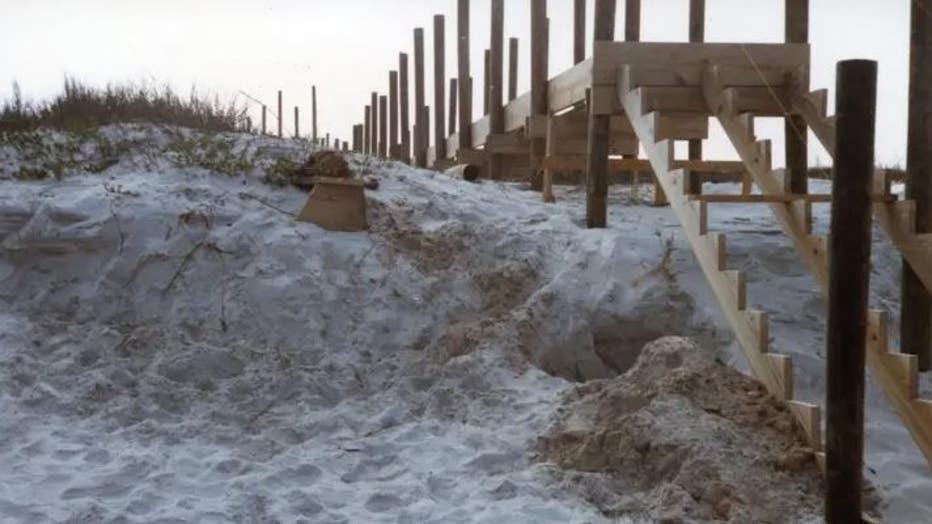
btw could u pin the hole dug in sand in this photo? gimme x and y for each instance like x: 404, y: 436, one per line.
x: 680, y: 437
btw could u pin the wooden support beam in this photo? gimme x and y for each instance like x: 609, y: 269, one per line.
x: 367, y: 132
x: 314, y: 114
x: 796, y: 30
x: 539, y: 73
x: 404, y: 107
x: 496, y: 107
x: 632, y: 21
x: 512, y: 69
x: 281, y: 116
x: 548, y: 172
x: 579, y: 31
x: 383, y: 126
x: 696, y: 35
x: 453, y: 107
x: 421, y: 132
x: 440, y: 75
x: 849, y: 290
x: 599, y: 132
x: 393, y: 144
x: 916, y: 314
x: 465, y: 81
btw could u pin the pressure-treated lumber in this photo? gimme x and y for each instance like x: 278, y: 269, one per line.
x: 393, y: 145
x: 465, y: 81
x: 849, y: 290
x: 496, y: 54
x: 404, y: 107
x: 421, y: 131
x: 796, y: 29
x: 599, y: 132
x: 916, y: 312
x: 440, y: 75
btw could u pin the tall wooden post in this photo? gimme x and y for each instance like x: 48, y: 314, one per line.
x: 314, y: 113
x: 797, y: 142
x: 916, y: 313
x: 440, y: 76
x: 263, y: 120
x: 281, y: 116
x: 393, y: 115
x: 579, y: 31
x: 356, y: 133
x: 632, y: 21
x: 849, y: 281
x: 367, y: 132
x: 404, y: 107
x: 383, y: 126
x: 297, y: 130
x: 496, y: 108
x: 453, y: 105
x: 486, y: 82
x: 696, y: 35
x: 539, y: 73
x: 600, y: 129
x: 374, y: 138
x: 421, y: 133
x: 512, y: 69
x: 465, y: 82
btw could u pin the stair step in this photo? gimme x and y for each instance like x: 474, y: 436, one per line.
x: 761, y: 322
x: 810, y: 418
x: 783, y: 366
x: 738, y: 284
x: 906, y: 368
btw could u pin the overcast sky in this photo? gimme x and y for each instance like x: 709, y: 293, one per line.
x: 347, y: 47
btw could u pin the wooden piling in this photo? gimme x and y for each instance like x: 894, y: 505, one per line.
x: 579, y: 31
x: 281, y: 117
x: 696, y: 35
x: 374, y: 129
x: 383, y: 126
x: 797, y: 143
x: 849, y: 291
x: 393, y: 145
x: 367, y: 132
x: 465, y: 84
x: 632, y: 21
x: 916, y: 313
x: 297, y: 129
x: 404, y: 107
x: 314, y: 114
x: 263, y: 120
x: 496, y: 107
x: 539, y: 73
x: 512, y: 69
x: 440, y: 75
x: 453, y: 106
x: 421, y: 134
x: 485, y: 83
x: 599, y: 130
x: 356, y: 138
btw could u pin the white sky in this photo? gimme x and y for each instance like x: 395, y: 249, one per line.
x: 347, y: 47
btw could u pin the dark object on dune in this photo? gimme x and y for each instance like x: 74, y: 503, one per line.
x: 327, y: 164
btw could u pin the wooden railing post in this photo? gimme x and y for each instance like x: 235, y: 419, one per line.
x: 465, y: 83
x: 849, y: 288
x: 393, y: 115
x: 404, y: 107
x: 599, y: 131
x: 512, y: 69
x: 539, y: 73
x: 440, y: 75
x: 496, y: 108
x: 916, y: 313
x: 795, y: 130
x: 579, y: 31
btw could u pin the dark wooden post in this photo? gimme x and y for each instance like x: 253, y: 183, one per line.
x: 383, y: 126
x: 367, y: 132
x: 797, y: 142
x: 453, y: 106
x: 297, y: 129
x: 632, y: 21
x: 314, y: 113
x: 356, y: 138
x: 696, y: 34
x: 465, y: 83
x: 496, y: 109
x: 539, y: 72
x: 600, y: 129
x: 281, y: 116
x: 579, y: 31
x: 263, y: 120
x: 849, y: 289
x: 422, y: 132
x: 916, y: 315
x: 374, y: 139
x: 512, y: 69
x: 404, y: 107
x: 440, y: 75
x: 393, y: 115
x: 485, y: 85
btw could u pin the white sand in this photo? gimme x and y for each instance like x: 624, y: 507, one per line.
x: 260, y: 370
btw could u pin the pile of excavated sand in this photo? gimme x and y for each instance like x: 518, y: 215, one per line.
x: 685, y: 438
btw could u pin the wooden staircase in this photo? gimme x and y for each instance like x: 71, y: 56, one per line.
x: 897, y: 373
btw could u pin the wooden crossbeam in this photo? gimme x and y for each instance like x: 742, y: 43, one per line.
x: 773, y: 199
x: 576, y: 162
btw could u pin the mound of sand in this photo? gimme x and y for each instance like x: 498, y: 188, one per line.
x: 688, y: 439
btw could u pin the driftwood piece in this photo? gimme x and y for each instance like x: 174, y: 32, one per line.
x: 467, y: 172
